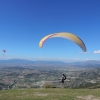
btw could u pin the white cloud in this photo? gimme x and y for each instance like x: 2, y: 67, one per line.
x: 96, y: 52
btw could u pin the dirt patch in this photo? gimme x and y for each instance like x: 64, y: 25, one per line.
x: 0, y: 94
x: 88, y: 97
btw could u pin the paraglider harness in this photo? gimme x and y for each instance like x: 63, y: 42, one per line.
x: 63, y: 78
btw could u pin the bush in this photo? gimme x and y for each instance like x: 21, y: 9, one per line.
x: 48, y: 85
x: 0, y: 88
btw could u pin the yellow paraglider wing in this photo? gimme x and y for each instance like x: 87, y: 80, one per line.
x: 44, y: 39
x: 66, y: 35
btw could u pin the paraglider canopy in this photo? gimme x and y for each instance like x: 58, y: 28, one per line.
x: 66, y: 35
x: 3, y: 51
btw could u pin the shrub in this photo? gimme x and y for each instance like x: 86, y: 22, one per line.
x: 48, y: 85
x: 0, y: 88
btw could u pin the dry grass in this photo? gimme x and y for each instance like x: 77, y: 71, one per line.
x: 50, y: 94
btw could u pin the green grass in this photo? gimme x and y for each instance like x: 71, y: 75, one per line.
x: 47, y: 94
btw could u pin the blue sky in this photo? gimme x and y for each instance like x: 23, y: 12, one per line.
x: 23, y: 23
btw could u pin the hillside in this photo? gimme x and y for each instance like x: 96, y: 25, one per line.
x: 37, y: 77
x: 19, y: 73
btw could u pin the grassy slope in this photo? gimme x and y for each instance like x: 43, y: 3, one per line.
x: 47, y: 94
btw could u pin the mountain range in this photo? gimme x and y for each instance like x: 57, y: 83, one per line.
x: 89, y: 63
